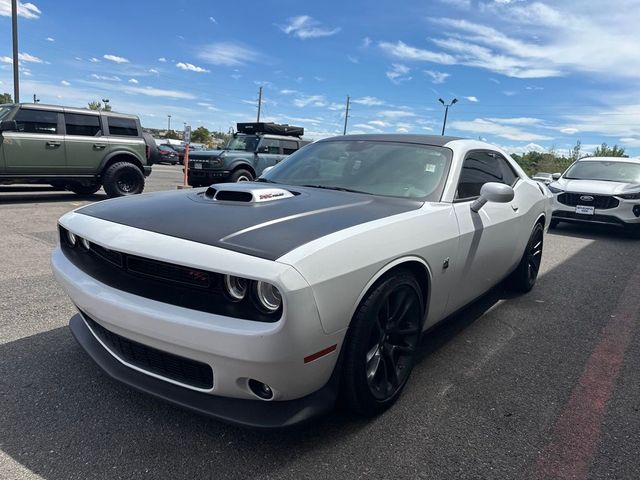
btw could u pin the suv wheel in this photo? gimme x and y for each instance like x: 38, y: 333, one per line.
x: 83, y: 189
x: 123, y: 178
x: 241, y: 175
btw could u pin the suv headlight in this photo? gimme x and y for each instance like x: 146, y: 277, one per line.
x: 630, y: 196
x: 555, y: 189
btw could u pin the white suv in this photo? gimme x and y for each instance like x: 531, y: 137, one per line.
x: 603, y: 190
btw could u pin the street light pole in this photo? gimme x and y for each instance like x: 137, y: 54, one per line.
x: 106, y: 103
x: 168, y: 123
x: 446, y: 111
x: 14, y: 26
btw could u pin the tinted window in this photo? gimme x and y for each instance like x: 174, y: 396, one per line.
x: 288, y: 146
x: 37, y: 121
x: 272, y: 146
x: 480, y: 168
x: 122, y: 126
x: 78, y: 124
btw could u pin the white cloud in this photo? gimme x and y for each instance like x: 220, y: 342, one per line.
x: 28, y: 58
x: 396, y: 114
x: 213, y: 20
x: 569, y: 130
x: 190, y: 67
x: 365, y: 126
x: 288, y: 92
x: 405, y: 52
x: 65, y: 83
x: 228, y: 54
x: 378, y: 123
x: 304, y: 26
x: 399, y: 73
x: 50, y: 39
x: 437, y: 77
x: 162, y: 59
x: 503, y: 128
x: 366, y: 42
x: 310, y: 100
x: 368, y: 101
x: 471, y: 99
x: 518, y: 120
x: 159, y: 92
x: 153, y: 70
x: 353, y: 59
x: 134, y: 81
x: 109, y: 78
x: 7, y: 60
x: 26, y: 10
x: 115, y: 58
x: 94, y: 60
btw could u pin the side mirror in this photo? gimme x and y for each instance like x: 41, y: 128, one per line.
x: 8, y: 126
x: 493, y: 192
x: 556, y: 176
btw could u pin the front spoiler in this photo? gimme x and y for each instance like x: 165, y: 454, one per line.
x: 246, y: 413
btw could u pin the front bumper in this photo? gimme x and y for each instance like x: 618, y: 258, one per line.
x: 626, y: 213
x: 203, y: 177
x: 248, y: 413
x: 146, y: 170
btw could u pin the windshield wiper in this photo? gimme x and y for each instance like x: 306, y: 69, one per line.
x: 340, y: 189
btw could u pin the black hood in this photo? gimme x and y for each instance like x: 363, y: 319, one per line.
x: 266, y: 229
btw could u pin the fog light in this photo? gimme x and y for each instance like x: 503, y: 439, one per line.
x: 236, y: 287
x: 260, y: 389
x: 268, y: 296
x: 85, y: 243
x: 636, y: 210
x: 71, y: 237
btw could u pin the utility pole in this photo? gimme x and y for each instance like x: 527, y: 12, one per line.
x: 168, y: 123
x: 346, y: 116
x: 446, y: 111
x: 259, y: 103
x: 14, y: 26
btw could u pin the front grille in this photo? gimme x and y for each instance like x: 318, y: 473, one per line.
x: 589, y: 218
x: 168, y: 365
x: 601, y: 202
x: 169, y: 272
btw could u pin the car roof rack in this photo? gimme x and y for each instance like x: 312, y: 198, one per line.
x: 270, y: 127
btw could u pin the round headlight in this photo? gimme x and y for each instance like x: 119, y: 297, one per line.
x: 236, y: 287
x: 268, y: 296
x: 85, y: 243
x: 71, y: 237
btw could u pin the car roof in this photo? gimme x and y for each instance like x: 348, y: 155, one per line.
x: 437, y: 140
x: 59, y: 108
x: 610, y: 159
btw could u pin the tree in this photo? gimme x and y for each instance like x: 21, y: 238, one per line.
x: 5, y: 98
x: 575, y: 151
x: 171, y: 135
x: 98, y: 107
x: 201, y: 135
x: 605, y: 151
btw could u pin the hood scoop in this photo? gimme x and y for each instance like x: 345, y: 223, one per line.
x: 245, y: 192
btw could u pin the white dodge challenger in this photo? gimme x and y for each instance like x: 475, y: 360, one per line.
x: 258, y: 303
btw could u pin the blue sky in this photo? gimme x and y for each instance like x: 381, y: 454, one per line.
x: 528, y: 75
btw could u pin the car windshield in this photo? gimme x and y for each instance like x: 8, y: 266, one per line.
x: 372, y: 167
x: 247, y: 143
x: 626, y: 172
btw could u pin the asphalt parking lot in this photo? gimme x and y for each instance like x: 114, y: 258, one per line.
x: 540, y: 386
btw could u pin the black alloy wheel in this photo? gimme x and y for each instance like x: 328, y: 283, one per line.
x: 534, y: 250
x: 525, y: 275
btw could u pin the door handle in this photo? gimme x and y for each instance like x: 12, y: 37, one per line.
x: 99, y: 146
x: 53, y: 144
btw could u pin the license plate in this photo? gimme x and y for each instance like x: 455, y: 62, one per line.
x: 584, y: 210
x: 197, y: 166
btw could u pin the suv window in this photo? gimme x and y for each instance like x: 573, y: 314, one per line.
x: 480, y: 168
x: 126, y: 127
x: 272, y: 146
x: 37, y: 121
x: 288, y: 146
x: 79, y: 124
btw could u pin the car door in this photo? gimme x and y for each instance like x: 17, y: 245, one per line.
x: 487, y: 249
x: 85, y: 143
x: 268, y: 154
x: 37, y: 147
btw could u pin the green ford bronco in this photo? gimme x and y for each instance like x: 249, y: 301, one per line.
x: 77, y: 149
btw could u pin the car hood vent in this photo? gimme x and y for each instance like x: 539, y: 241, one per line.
x: 245, y: 192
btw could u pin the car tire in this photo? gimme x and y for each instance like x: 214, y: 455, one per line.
x: 525, y: 275
x: 241, y: 175
x: 381, y: 344
x: 83, y: 189
x: 553, y: 223
x: 123, y: 178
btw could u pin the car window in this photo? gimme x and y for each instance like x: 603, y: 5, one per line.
x: 37, y: 121
x: 289, y: 146
x: 4, y: 111
x: 126, y: 127
x: 273, y: 146
x: 480, y: 168
x: 80, y: 124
